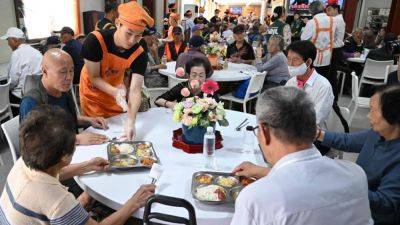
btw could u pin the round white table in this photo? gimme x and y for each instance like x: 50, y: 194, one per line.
x: 235, y: 72
x: 115, y: 188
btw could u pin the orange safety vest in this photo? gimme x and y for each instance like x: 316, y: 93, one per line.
x: 172, y: 51
x: 318, y: 30
x: 95, y: 102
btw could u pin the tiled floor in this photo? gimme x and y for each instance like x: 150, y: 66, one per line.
x: 359, y: 122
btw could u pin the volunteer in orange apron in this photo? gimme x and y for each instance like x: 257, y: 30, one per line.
x: 175, y: 47
x: 108, y: 54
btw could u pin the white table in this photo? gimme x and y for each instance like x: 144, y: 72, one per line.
x: 156, y: 125
x: 235, y: 72
x: 4, y: 71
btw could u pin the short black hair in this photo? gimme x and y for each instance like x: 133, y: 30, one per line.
x: 239, y: 29
x: 389, y: 98
x: 198, y: 62
x: 67, y: 30
x: 334, y: 6
x: 110, y: 6
x: 45, y: 136
x: 177, y: 30
x: 306, y: 49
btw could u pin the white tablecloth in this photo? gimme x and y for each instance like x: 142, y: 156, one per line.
x: 235, y: 72
x: 156, y: 126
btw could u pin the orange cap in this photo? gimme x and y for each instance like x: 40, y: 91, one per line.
x: 133, y: 16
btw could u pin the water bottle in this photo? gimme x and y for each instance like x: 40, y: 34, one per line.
x: 209, y: 148
x: 164, y: 59
x: 248, y: 140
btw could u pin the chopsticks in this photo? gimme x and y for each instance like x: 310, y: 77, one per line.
x: 242, y: 124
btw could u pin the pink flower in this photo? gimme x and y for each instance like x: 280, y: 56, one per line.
x: 185, y: 92
x: 194, y: 84
x: 209, y: 87
x: 180, y: 72
x: 187, y: 120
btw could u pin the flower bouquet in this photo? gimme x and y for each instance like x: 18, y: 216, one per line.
x: 197, y: 113
x: 214, y: 51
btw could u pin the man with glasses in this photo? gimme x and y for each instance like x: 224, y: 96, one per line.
x: 302, y: 187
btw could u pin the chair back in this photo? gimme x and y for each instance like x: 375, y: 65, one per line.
x: 255, y: 85
x: 5, y: 96
x: 333, y: 123
x: 376, y: 69
x: 31, y: 81
x: 391, y: 68
x: 11, y: 129
x: 170, y: 219
x: 354, y: 86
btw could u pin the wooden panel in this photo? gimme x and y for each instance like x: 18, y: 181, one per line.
x: 394, y: 18
x: 349, y: 9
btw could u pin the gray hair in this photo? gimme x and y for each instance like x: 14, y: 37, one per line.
x: 279, y: 40
x: 289, y: 112
x: 316, y: 7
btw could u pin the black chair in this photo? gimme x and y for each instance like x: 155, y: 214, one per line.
x: 170, y: 201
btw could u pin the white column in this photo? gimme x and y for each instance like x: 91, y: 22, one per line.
x: 140, y: 2
x: 263, y: 9
x: 159, y: 15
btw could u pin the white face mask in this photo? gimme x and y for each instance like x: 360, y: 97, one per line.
x: 298, y: 70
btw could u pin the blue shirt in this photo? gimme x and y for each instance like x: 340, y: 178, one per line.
x: 380, y: 160
x: 28, y: 103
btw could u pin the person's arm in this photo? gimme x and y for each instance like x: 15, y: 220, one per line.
x: 137, y: 201
x: 14, y: 71
x: 135, y: 97
x: 348, y: 142
x: 324, y: 103
x: 270, y: 64
x: 169, y: 98
x: 93, y: 69
x: 96, y: 122
x: 95, y: 164
x: 386, y: 199
x: 308, y: 31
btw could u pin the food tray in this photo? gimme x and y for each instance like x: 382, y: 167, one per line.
x: 141, y: 154
x: 230, y: 191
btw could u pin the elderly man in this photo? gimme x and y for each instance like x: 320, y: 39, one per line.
x: 53, y: 89
x: 73, y: 47
x: 240, y: 51
x: 196, y: 50
x: 115, y: 61
x: 25, y: 61
x: 302, y: 187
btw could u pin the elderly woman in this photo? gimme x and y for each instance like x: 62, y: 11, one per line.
x: 379, y: 150
x: 198, y: 72
x: 274, y: 63
x: 33, y: 193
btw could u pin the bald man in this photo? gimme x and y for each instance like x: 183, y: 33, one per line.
x: 54, y: 89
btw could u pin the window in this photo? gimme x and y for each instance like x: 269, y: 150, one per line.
x: 42, y: 17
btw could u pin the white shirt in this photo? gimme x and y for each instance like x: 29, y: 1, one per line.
x: 340, y: 31
x: 322, y: 42
x: 306, y: 188
x: 25, y: 61
x: 320, y: 91
x: 188, y: 23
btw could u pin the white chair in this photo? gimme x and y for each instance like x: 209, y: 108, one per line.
x: 5, y: 106
x: 73, y: 93
x: 30, y: 82
x: 359, y: 102
x: 391, y: 68
x: 155, y: 92
x: 333, y: 124
x: 375, y: 72
x: 341, y: 75
x: 10, y: 129
x: 255, y: 86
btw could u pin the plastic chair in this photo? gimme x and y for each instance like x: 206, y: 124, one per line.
x: 170, y: 201
x: 5, y: 106
x: 341, y: 75
x: 255, y: 86
x: 333, y: 124
x: 375, y: 72
x: 30, y: 82
x: 73, y: 93
x: 391, y: 68
x: 10, y: 129
x: 359, y: 102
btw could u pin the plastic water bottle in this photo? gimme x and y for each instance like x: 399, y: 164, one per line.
x: 248, y: 140
x: 209, y: 148
x: 164, y: 59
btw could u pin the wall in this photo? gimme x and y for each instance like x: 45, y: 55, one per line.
x: 89, y: 5
x: 371, y: 4
x: 7, y: 20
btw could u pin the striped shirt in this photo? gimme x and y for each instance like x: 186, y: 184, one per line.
x: 34, y: 197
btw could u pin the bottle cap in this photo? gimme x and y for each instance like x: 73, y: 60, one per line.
x: 210, y: 129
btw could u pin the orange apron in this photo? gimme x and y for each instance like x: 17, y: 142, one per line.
x: 95, y: 102
x: 320, y: 52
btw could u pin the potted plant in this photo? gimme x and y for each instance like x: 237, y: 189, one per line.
x: 199, y: 112
x: 214, y: 51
